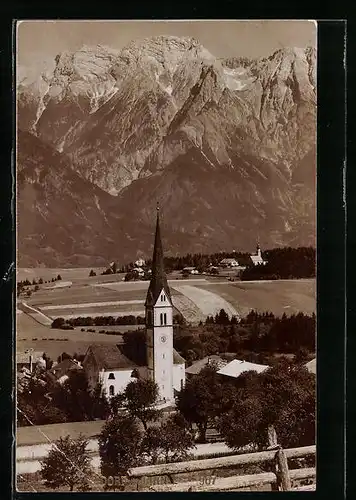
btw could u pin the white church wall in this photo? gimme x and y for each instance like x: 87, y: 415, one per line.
x: 119, y: 382
x: 178, y: 376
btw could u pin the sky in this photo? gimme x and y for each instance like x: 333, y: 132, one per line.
x: 39, y: 41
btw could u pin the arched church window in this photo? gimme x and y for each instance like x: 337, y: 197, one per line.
x: 161, y: 318
x: 111, y: 376
x: 165, y: 318
x: 111, y: 390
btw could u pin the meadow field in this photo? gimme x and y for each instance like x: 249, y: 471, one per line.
x: 195, y: 298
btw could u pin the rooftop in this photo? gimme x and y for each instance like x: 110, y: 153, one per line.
x: 110, y: 357
x: 196, y: 367
x: 236, y: 367
x: 311, y: 366
x: 64, y: 367
x: 24, y: 356
x: 177, y: 358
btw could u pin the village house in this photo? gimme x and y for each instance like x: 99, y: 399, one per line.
x: 60, y: 372
x: 190, y: 270
x: 139, y: 271
x: 236, y: 367
x: 29, y: 359
x: 256, y: 258
x: 140, y: 263
x: 109, y: 366
x: 213, y: 360
x: 311, y: 366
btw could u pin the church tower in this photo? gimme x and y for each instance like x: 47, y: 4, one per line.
x: 258, y: 250
x: 159, y: 324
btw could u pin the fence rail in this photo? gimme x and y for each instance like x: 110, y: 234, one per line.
x: 281, y: 478
x: 236, y: 482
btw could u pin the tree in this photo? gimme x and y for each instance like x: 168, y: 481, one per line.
x: 48, y: 361
x: 67, y: 464
x: 301, y: 356
x: 139, y: 399
x: 119, y: 445
x: 170, y: 441
x: 282, y: 396
x: 59, y: 277
x: 200, y: 400
x: 101, y: 406
x: 74, y: 397
x: 92, y: 273
x: 222, y: 318
x: 130, y: 276
x: 63, y: 356
x: 177, y: 439
x: 58, y: 323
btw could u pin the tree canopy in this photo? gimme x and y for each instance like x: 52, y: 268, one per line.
x: 201, y: 400
x: 119, y: 445
x: 282, y: 396
x: 67, y: 464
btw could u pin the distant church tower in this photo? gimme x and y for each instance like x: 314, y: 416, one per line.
x: 258, y: 250
x: 159, y: 324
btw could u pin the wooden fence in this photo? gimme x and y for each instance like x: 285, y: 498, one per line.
x: 205, y: 475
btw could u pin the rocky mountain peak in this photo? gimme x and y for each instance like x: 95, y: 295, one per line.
x: 164, y: 117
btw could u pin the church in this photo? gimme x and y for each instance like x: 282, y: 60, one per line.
x: 108, y: 365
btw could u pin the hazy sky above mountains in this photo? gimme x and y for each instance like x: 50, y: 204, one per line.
x: 43, y: 40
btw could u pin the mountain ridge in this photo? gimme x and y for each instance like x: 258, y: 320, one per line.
x: 227, y: 145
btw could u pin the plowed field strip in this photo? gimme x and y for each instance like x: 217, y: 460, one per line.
x: 208, y: 302
x: 192, y: 313
x: 92, y: 304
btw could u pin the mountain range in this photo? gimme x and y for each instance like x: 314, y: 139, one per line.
x: 227, y: 146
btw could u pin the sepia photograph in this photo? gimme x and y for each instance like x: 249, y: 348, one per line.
x: 166, y: 255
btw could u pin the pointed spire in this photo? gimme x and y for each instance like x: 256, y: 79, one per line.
x: 157, y: 260
x: 158, y: 278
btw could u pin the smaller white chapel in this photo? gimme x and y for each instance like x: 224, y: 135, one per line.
x: 108, y: 365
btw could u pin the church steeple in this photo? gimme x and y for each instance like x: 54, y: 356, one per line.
x: 158, y: 279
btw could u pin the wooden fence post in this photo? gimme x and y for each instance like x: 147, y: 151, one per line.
x: 273, y: 445
x: 272, y: 437
x: 281, y: 463
x: 283, y: 471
